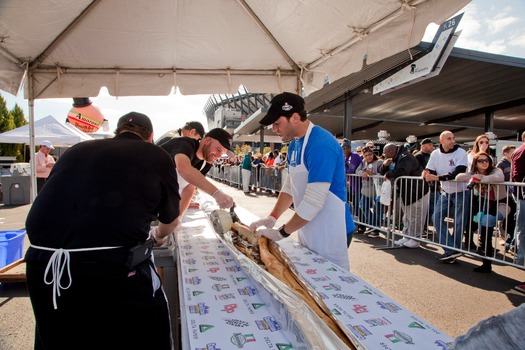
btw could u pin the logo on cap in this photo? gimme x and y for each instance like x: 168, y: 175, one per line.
x: 286, y: 107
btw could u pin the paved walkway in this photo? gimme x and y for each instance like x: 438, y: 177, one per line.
x: 451, y: 297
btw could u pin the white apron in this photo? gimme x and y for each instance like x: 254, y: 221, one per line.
x: 326, y: 233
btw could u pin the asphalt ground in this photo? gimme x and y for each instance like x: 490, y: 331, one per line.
x: 450, y: 296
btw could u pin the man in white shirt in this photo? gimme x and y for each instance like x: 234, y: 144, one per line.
x: 44, y: 162
x: 444, y: 164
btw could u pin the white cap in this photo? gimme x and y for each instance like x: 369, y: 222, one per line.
x: 47, y: 144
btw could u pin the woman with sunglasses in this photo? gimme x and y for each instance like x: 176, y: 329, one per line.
x: 488, y: 202
x: 368, y: 205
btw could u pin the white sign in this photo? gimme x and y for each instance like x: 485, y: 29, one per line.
x: 426, y: 64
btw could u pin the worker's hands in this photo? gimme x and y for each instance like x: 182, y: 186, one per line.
x: 268, y: 221
x: 270, y: 233
x: 153, y: 234
x: 223, y: 200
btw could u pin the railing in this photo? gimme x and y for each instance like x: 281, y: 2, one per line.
x: 461, y: 221
x: 264, y: 179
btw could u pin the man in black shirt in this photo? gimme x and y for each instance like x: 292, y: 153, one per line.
x: 98, y: 203
x: 193, y: 159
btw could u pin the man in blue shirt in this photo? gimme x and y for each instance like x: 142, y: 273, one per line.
x: 316, y: 183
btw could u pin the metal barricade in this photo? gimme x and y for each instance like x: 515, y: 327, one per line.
x: 366, y: 208
x: 462, y: 221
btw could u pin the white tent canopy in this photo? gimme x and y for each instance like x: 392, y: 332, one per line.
x: 74, y: 47
x: 48, y: 128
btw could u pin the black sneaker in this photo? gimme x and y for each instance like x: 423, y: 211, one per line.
x: 449, y: 261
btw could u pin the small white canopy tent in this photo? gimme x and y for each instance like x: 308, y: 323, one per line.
x: 48, y: 128
x: 72, y: 48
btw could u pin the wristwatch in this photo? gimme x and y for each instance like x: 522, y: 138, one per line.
x: 283, y: 232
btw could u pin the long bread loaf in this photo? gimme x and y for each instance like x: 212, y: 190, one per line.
x: 283, y: 273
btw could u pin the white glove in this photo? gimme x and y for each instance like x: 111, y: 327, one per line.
x: 270, y: 233
x: 268, y: 221
x: 223, y: 200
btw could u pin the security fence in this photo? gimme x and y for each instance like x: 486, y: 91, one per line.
x: 262, y: 178
x: 479, y: 221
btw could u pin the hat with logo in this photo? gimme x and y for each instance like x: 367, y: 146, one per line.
x: 47, y: 143
x: 284, y: 104
x: 425, y: 141
x: 221, y: 135
x: 136, y: 119
x: 346, y: 143
x: 197, y: 126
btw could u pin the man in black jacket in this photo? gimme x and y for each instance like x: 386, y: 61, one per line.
x: 413, y: 193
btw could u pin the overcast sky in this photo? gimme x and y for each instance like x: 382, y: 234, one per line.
x: 489, y: 26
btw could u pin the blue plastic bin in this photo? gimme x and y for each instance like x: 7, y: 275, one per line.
x: 11, y: 246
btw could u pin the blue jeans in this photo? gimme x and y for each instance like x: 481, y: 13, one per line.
x: 456, y: 206
x: 519, y: 233
x: 497, y: 332
x: 370, y: 209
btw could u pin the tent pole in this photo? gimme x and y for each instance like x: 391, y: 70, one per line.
x: 31, y: 134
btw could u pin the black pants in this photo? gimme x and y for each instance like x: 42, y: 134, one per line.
x: 40, y: 181
x: 106, y: 307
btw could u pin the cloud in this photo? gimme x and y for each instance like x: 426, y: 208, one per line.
x: 518, y: 40
x: 500, y: 22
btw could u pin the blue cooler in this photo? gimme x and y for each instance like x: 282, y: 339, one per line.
x: 11, y: 246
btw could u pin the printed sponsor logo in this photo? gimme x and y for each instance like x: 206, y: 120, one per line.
x: 205, y: 327
x: 348, y: 279
x: 236, y: 323
x: 343, y: 296
x: 319, y: 260
x: 217, y: 278
x: 359, y: 309
x: 397, y: 337
x: 374, y: 322
x: 197, y: 293
x: 389, y: 306
x: 230, y: 308
x: 234, y: 268
x: 218, y: 287
x: 239, y: 339
x: 190, y: 261
x: 443, y: 344
x: 193, y: 280
x: 320, y: 279
x: 360, y: 331
x: 311, y: 271
x: 248, y: 290
x: 199, y: 309
x: 209, y: 346
x: 268, y: 323
x: 227, y: 296
x: 416, y: 325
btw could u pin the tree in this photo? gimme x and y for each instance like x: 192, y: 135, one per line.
x: 10, y: 120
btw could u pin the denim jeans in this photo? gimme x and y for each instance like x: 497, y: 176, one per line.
x: 498, y: 332
x: 456, y: 206
x: 519, y: 233
x: 371, y: 211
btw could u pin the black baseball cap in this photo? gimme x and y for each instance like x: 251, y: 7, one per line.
x: 197, y: 126
x: 137, y: 119
x: 425, y: 141
x: 284, y: 104
x: 221, y: 135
